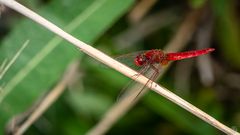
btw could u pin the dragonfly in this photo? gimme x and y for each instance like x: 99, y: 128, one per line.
x: 155, y: 59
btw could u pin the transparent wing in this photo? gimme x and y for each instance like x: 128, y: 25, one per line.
x: 150, y: 71
x: 128, y: 59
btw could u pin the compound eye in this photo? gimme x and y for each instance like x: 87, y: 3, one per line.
x: 139, y: 61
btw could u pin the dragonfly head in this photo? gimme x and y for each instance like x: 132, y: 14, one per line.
x: 140, y: 60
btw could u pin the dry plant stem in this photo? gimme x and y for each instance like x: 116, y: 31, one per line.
x: 116, y: 65
x: 203, y: 38
x: 185, y: 32
x: 140, y: 10
x: 147, y: 26
x: 48, y: 100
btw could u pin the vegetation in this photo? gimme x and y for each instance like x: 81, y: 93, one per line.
x: 115, y: 27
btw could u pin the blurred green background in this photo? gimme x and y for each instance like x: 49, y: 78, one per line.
x: 115, y: 27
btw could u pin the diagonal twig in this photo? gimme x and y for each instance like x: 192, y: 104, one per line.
x: 100, y: 56
x: 141, y: 9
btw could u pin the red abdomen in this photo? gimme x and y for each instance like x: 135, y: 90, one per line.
x: 188, y: 54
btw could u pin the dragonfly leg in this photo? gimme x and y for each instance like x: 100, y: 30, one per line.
x: 154, y: 68
x: 141, y: 71
x: 155, y: 74
x: 123, y: 92
x: 152, y: 78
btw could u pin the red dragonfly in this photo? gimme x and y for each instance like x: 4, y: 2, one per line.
x: 154, y: 59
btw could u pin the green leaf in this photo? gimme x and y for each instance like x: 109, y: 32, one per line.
x: 43, y: 62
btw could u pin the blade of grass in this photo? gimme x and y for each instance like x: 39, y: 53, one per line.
x: 5, y: 69
x: 3, y: 65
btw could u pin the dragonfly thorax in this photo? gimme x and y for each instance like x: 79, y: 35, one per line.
x: 150, y: 57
